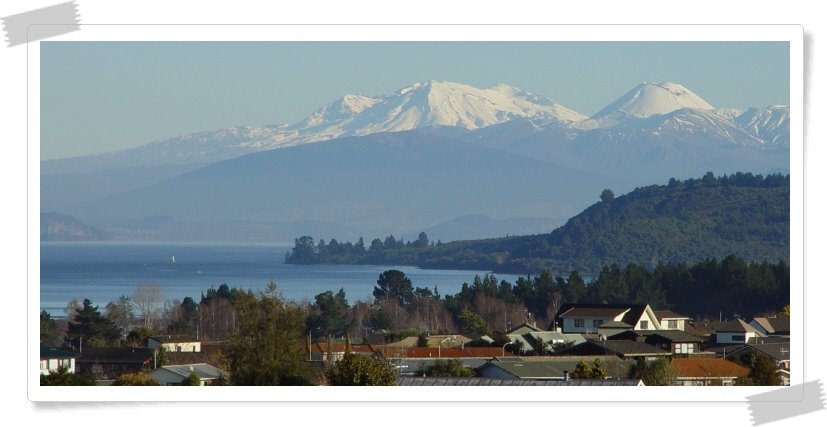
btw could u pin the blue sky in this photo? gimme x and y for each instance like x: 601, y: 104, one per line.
x: 108, y: 96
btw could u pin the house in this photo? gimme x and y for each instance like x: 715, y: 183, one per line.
x: 671, y: 320
x: 176, y: 374
x: 702, y: 330
x: 53, y: 358
x: 528, y: 340
x: 779, y: 325
x: 481, y: 381
x: 675, y: 341
x: 707, y: 371
x: 553, y: 368
x: 779, y: 352
x: 624, y: 349
x: 734, y: 332
x: 174, y: 343
x: 587, y: 318
x: 108, y: 363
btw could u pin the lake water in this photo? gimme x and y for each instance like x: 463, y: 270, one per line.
x: 102, y: 272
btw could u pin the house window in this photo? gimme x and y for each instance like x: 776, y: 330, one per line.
x: 178, y: 348
x: 644, y: 324
x: 578, y: 323
x: 739, y: 338
x: 672, y: 324
x: 62, y: 362
x: 690, y: 348
x: 44, y: 364
x: 597, y: 323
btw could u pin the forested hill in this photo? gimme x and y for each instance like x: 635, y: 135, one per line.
x: 684, y: 221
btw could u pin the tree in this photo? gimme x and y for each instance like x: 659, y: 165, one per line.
x: 582, y: 371
x: 394, y: 284
x: 91, y: 329
x: 763, y: 370
x: 267, y: 347
x: 356, y: 369
x: 139, y: 379
x: 607, y: 196
x: 598, y: 373
x: 121, y: 312
x: 422, y: 240
x: 49, y: 334
x: 471, y: 322
x: 422, y: 340
x: 62, y: 377
x: 147, y: 297
x: 330, y: 314
x: 657, y: 373
x: 191, y: 380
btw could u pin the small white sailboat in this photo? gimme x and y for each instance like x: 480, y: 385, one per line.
x: 173, y: 259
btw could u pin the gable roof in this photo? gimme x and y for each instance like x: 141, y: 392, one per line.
x: 523, y: 329
x: 203, y: 370
x: 737, y: 325
x: 622, y: 348
x: 777, y: 351
x: 697, y: 367
x: 554, y: 367
x: 774, y: 325
x: 631, y: 312
x: 604, y: 312
x: 668, y: 314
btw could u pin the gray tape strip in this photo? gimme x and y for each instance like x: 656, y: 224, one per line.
x: 776, y: 405
x: 39, y: 24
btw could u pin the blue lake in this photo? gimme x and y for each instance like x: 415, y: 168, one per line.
x: 102, y: 272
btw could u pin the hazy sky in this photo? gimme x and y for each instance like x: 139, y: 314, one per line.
x: 107, y: 96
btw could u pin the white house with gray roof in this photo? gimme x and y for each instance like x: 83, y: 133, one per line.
x: 175, y: 374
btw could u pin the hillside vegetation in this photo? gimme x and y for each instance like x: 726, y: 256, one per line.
x: 684, y: 221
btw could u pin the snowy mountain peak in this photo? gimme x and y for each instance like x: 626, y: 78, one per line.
x: 651, y: 99
x: 424, y: 104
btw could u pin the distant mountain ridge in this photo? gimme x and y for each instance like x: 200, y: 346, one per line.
x: 497, y: 143
x: 430, y: 104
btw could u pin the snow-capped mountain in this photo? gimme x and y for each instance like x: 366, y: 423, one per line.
x: 421, y: 105
x: 771, y: 124
x: 647, y: 100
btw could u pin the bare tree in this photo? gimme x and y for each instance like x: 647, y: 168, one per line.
x: 71, y: 309
x: 121, y: 312
x: 147, y: 298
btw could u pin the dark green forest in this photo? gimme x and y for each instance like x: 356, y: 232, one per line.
x: 684, y: 221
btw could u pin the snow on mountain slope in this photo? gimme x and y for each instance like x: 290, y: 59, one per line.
x: 772, y: 124
x: 421, y: 105
x: 647, y: 100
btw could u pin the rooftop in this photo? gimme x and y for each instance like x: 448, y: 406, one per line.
x: 774, y: 325
x: 737, y: 325
x: 708, y: 368
x: 667, y: 314
x: 203, y: 370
